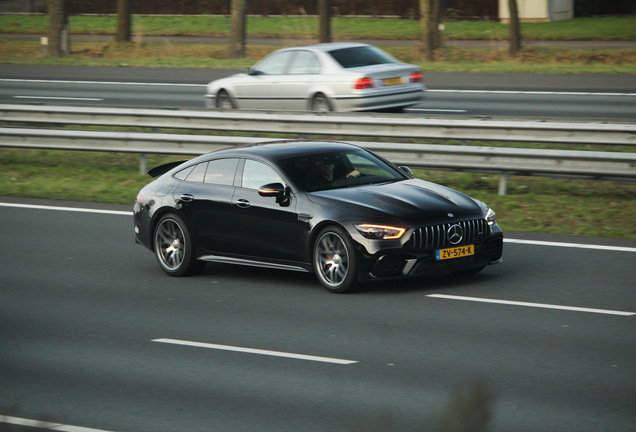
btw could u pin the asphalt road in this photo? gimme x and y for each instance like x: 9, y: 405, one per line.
x: 544, y: 96
x: 88, y: 325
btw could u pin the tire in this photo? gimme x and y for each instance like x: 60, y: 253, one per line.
x: 174, y: 247
x: 224, y: 101
x: 320, y: 104
x: 334, y: 260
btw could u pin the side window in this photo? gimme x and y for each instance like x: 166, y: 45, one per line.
x: 276, y: 64
x: 305, y: 62
x: 198, y: 173
x: 221, y: 171
x: 257, y: 174
x: 183, y: 174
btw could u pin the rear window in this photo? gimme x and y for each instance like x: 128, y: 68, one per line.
x: 360, y: 56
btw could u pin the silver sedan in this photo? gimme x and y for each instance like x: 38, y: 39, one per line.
x: 319, y: 78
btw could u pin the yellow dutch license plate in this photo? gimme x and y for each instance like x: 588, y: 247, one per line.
x: 393, y: 81
x: 456, y: 252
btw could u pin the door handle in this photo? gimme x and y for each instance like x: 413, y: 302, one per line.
x: 187, y: 197
x: 243, y: 203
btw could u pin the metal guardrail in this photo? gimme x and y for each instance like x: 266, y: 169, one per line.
x: 332, y: 124
x: 505, y: 161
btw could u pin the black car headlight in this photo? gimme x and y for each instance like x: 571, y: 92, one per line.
x: 491, y: 217
x: 380, y: 232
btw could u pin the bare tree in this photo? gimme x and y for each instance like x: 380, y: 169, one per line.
x: 428, y: 26
x: 515, y: 28
x: 124, y: 20
x: 59, y: 40
x: 238, y: 27
x: 324, y: 10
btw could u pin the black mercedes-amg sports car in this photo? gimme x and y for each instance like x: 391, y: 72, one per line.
x: 331, y: 208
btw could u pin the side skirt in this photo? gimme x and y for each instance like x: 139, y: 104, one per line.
x: 251, y: 263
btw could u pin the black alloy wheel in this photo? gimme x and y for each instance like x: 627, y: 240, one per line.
x: 174, y: 248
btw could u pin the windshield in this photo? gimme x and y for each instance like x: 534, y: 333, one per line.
x: 360, y: 56
x: 333, y: 170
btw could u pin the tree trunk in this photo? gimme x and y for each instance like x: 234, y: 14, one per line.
x: 427, y: 24
x: 436, y: 14
x: 238, y: 29
x: 123, y: 21
x: 324, y: 10
x: 515, y: 28
x: 59, y: 39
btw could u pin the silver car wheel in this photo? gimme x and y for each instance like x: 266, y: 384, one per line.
x: 320, y: 103
x: 224, y: 101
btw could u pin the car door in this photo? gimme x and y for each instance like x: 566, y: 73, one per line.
x: 205, y: 200
x: 302, y: 73
x: 263, y: 228
x: 261, y: 89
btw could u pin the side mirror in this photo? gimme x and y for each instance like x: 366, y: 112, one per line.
x: 253, y: 72
x: 271, y: 190
x: 406, y: 170
x: 276, y: 190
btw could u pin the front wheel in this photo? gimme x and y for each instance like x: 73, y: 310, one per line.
x: 334, y: 260
x: 224, y: 101
x: 174, y: 248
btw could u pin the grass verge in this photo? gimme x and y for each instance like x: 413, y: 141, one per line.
x: 533, y: 204
x: 136, y: 54
x: 593, y: 28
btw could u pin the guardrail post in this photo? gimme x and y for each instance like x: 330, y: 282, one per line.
x: 142, y: 163
x: 503, y: 184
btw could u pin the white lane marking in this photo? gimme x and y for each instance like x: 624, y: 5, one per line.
x: 256, y: 351
x: 531, y: 92
x: 571, y: 245
x: 46, y: 425
x: 506, y: 240
x: 69, y: 209
x: 437, y: 110
x: 58, y: 98
x: 100, y: 82
x: 535, y: 305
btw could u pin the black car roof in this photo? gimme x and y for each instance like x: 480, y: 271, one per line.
x: 275, y: 150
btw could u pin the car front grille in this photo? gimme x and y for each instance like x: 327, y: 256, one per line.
x: 436, y: 236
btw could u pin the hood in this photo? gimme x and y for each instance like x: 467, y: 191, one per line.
x: 409, y: 199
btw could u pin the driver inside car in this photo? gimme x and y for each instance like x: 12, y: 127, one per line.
x: 325, y: 173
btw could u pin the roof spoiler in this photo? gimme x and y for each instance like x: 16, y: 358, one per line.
x: 162, y: 169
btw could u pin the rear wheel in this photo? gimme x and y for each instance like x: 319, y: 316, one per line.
x: 174, y: 248
x: 224, y: 101
x: 334, y: 260
x: 320, y: 103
